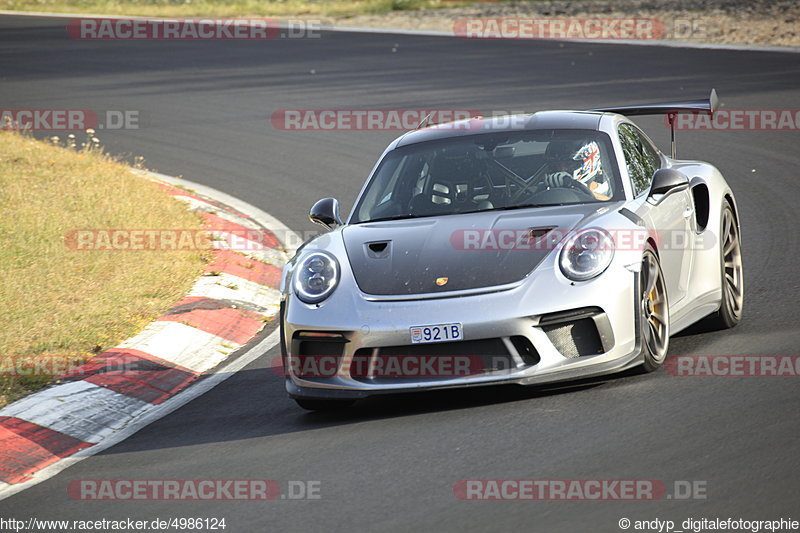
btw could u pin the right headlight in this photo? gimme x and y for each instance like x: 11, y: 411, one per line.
x: 587, y: 254
x: 316, y: 277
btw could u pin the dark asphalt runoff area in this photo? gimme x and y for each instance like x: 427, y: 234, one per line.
x: 390, y: 464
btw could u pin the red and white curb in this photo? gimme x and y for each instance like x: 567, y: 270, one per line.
x: 174, y: 359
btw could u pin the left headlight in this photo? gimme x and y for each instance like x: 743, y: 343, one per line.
x: 587, y: 254
x: 316, y: 277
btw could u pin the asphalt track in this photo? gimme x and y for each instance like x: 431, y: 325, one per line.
x: 390, y: 464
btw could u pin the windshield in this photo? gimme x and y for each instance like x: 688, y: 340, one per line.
x: 491, y: 171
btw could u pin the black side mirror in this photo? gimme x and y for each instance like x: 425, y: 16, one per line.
x: 666, y: 180
x: 326, y: 213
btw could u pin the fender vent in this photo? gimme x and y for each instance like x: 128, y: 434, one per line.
x: 701, y: 205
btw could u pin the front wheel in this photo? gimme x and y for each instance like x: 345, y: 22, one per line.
x: 653, y: 312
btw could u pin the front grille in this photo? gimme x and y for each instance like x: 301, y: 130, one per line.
x: 447, y: 360
x: 474, y: 347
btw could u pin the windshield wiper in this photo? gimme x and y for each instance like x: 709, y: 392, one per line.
x: 507, y: 208
x: 525, y: 206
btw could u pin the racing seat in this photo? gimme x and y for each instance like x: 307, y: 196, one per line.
x: 438, y: 200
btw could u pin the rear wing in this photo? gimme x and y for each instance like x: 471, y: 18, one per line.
x: 705, y: 106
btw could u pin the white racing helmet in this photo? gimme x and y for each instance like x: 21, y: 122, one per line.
x: 581, y: 159
x: 589, y: 157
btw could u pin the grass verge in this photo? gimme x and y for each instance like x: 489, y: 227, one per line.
x: 227, y: 8
x: 72, y: 304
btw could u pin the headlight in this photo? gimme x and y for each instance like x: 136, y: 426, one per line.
x: 316, y: 277
x: 587, y: 254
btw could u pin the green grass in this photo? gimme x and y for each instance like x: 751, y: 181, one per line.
x: 72, y: 304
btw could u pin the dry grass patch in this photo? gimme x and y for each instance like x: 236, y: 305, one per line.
x: 58, y: 301
x: 226, y: 8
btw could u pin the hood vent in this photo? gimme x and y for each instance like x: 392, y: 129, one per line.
x: 378, y: 250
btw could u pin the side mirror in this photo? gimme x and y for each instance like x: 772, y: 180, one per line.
x: 326, y: 213
x: 666, y: 180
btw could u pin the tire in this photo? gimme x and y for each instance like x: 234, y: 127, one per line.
x: 323, y: 405
x: 653, y: 311
x: 731, y: 275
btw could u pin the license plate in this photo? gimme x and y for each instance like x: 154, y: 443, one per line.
x: 436, y: 333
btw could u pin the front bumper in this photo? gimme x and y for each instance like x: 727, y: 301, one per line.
x: 542, y: 311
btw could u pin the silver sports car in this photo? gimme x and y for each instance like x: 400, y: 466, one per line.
x: 522, y: 249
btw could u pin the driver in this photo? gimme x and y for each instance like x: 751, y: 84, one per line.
x: 571, y: 161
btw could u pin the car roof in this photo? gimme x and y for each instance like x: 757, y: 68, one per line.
x: 542, y: 120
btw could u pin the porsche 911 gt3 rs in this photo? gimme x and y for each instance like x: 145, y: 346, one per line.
x: 528, y: 249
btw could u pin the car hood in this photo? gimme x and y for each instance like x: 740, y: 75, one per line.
x: 457, y: 252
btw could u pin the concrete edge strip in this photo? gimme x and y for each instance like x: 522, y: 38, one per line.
x: 439, y: 33
x: 120, y: 415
